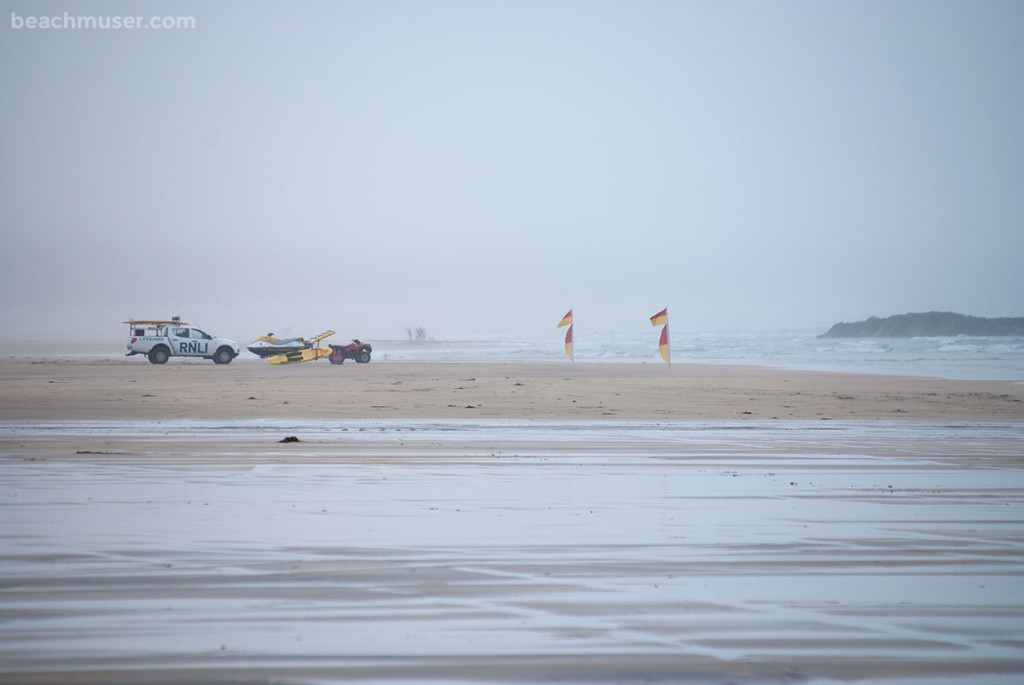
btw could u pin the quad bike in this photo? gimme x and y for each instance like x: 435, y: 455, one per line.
x: 356, y: 349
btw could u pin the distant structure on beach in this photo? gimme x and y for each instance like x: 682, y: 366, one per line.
x: 419, y: 333
x: 926, y: 325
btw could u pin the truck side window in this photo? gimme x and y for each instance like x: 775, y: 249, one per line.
x: 179, y: 332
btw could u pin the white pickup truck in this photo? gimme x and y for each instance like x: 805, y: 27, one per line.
x: 161, y: 340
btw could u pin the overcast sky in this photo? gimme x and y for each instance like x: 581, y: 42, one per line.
x: 478, y: 168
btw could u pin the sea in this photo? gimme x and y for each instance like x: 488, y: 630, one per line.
x: 957, y: 358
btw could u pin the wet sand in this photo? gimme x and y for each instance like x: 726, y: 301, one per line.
x: 506, y: 523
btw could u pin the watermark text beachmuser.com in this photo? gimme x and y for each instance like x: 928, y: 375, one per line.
x: 67, y: 21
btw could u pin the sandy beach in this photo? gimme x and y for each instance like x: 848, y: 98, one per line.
x: 528, y: 522
x: 97, y: 389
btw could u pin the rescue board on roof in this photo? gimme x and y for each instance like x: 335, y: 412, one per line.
x: 155, y: 322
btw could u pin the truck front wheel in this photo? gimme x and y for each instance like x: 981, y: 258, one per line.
x: 223, y: 355
x: 159, y: 355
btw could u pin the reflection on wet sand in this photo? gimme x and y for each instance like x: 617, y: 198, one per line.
x: 502, y: 551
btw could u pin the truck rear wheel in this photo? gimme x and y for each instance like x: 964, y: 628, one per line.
x: 223, y: 355
x: 159, y: 355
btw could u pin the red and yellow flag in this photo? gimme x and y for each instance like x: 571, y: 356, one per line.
x: 567, y: 321
x: 661, y: 319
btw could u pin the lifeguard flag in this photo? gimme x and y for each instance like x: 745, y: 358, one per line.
x: 566, y: 320
x: 568, y: 342
x: 663, y: 345
x: 659, y: 319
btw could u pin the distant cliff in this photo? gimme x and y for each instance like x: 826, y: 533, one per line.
x: 929, y: 324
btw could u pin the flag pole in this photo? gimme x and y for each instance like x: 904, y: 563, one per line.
x: 668, y: 346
